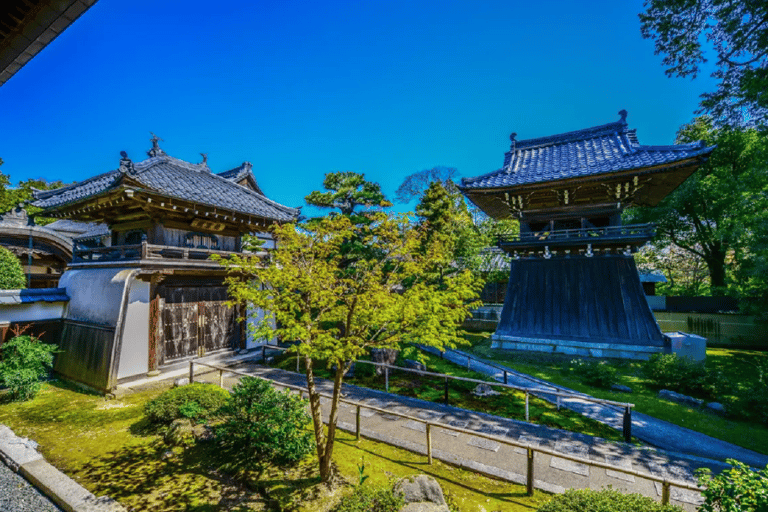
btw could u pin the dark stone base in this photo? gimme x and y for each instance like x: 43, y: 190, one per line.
x: 575, y: 348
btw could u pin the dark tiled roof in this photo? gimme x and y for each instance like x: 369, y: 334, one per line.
x: 176, y: 178
x: 604, y: 149
x: 75, y: 228
x: 243, y: 171
x: 98, y: 230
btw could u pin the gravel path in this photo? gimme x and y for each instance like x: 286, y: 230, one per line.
x: 18, y: 495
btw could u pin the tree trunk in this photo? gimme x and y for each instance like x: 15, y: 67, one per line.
x: 326, y: 470
x: 715, y: 261
x: 317, y: 421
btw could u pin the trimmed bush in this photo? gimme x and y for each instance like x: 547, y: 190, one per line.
x: 197, y: 401
x: 605, y: 500
x: 595, y: 373
x: 370, y: 499
x: 262, y: 426
x: 681, y: 374
x: 11, y: 273
x: 736, y: 489
x: 25, y: 362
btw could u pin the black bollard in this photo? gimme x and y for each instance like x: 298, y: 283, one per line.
x: 628, y: 424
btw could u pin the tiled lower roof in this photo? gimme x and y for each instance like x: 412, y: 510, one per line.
x: 29, y: 295
x: 599, y: 150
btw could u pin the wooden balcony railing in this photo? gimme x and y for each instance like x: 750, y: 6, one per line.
x: 142, y: 251
x: 631, y: 234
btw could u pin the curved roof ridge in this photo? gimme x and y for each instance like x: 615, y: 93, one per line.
x: 614, y: 128
x: 166, y: 158
x: 43, y: 194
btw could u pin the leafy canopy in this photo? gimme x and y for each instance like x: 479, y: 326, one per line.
x: 737, y: 32
x: 346, y: 191
x: 336, y: 308
x: 714, y: 212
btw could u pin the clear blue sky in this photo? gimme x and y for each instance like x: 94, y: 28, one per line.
x: 299, y: 89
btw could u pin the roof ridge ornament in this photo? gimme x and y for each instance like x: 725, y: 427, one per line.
x: 156, y: 150
x: 126, y: 166
x: 623, y: 114
x: 512, y: 139
x: 205, y: 158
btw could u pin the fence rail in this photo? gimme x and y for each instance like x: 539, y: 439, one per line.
x: 531, y: 450
x: 622, y: 406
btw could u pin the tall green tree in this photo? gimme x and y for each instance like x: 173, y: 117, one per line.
x: 712, y: 213
x: 737, y: 31
x: 347, y: 191
x: 337, y: 309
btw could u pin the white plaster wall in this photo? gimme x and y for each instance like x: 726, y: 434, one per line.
x: 95, y: 294
x: 254, y: 317
x: 31, y: 311
x: 134, y: 353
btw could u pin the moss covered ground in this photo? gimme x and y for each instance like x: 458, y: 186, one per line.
x: 110, y: 449
x: 737, y: 365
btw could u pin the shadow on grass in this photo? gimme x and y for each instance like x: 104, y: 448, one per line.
x: 423, y: 467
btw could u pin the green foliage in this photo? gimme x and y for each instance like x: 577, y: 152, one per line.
x: 11, y: 273
x: 604, y: 500
x: 12, y: 197
x: 197, y: 401
x: 595, y: 373
x: 738, y: 34
x: 718, y: 213
x: 414, y: 185
x: 25, y: 362
x: 262, y: 425
x: 738, y: 489
x: 336, y: 307
x: 683, y: 375
x: 370, y: 499
x: 346, y: 191
x: 361, y: 476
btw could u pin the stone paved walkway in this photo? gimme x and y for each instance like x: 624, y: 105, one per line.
x: 653, y: 431
x: 552, y: 473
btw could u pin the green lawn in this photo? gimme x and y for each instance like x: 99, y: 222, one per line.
x: 109, y: 448
x: 738, y: 365
x: 508, y: 404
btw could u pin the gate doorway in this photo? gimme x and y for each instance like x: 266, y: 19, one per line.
x: 194, y: 320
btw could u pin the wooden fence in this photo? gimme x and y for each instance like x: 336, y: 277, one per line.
x: 531, y: 450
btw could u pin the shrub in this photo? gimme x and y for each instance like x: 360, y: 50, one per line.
x: 25, y: 362
x: 735, y: 489
x: 197, y: 401
x: 595, y: 373
x: 363, y: 370
x: 262, y: 425
x: 369, y: 499
x: 605, y: 500
x: 682, y: 374
x: 11, y: 273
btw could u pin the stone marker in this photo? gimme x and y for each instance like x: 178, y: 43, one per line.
x: 420, y: 488
x: 680, y: 398
x: 621, y: 388
x: 484, y: 390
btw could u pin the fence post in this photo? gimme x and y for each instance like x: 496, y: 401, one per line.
x: 505, y: 377
x: 297, y: 363
x: 429, y: 444
x: 446, y: 391
x: 529, y: 475
x: 628, y: 424
x: 263, y: 354
x: 558, y: 402
x: 665, y: 493
x: 386, y: 378
x: 191, y: 372
x: 527, y: 415
x: 221, y: 378
x: 357, y: 423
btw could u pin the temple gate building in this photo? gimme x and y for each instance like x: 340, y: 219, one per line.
x: 573, y: 285
x: 150, y: 298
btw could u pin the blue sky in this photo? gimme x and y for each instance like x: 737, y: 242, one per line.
x: 299, y: 89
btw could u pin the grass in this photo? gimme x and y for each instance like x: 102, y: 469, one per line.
x: 507, y: 404
x: 738, y: 365
x: 110, y: 449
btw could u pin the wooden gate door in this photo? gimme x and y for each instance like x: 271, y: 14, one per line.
x: 195, y: 320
